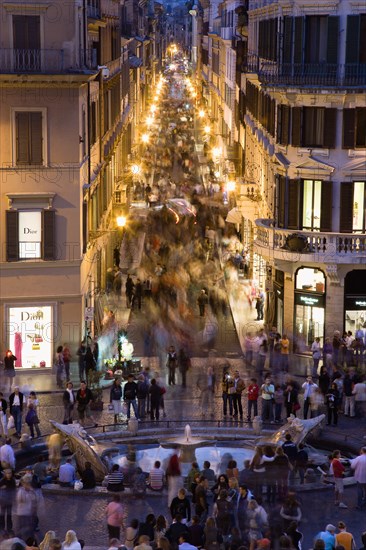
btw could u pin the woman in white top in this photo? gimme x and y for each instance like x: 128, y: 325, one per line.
x: 71, y: 542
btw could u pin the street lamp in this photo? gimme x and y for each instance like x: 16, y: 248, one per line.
x: 201, y: 113
x: 230, y: 186
x: 121, y: 221
x: 207, y: 129
x: 135, y: 169
x: 145, y: 138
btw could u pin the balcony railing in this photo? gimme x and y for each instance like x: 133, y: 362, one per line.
x: 51, y: 61
x: 306, y: 74
x: 317, y: 246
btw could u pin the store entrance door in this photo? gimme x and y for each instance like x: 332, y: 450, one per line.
x: 309, y: 324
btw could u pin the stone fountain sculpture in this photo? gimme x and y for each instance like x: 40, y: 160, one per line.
x: 187, y: 445
x: 297, y: 427
x: 84, y: 448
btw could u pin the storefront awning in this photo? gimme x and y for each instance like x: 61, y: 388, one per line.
x: 234, y: 216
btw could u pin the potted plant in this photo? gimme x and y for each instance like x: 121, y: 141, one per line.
x: 94, y: 384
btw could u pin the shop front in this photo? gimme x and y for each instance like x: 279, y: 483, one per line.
x: 309, y: 308
x: 355, y: 302
x: 30, y: 334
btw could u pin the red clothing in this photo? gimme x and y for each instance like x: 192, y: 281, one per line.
x: 338, y: 467
x: 253, y: 392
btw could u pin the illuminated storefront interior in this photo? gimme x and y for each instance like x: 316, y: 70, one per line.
x: 309, y: 307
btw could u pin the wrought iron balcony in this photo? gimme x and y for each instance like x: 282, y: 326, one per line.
x: 336, y: 248
x: 49, y: 61
x: 306, y: 74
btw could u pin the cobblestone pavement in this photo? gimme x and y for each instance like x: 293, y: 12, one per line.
x: 86, y: 515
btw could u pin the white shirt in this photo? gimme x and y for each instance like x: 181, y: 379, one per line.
x: 7, y: 455
x: 308, y: 389
x: 359, y: 466
x: 16, y: 401
x: 73, y: 546
x: 71, y: 393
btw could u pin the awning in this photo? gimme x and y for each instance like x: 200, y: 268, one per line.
x: 234, y: 216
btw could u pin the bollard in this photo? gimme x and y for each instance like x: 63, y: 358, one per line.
x: 257, y: 425
x: 133, y: 426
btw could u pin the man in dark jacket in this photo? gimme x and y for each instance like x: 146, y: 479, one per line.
x: 83, y: 398
x: 129, y: 290
x: 3, y: 419
x: 16, y: 400
x: 129, y: 395
x: 88, y: 477
x: 176, y: 529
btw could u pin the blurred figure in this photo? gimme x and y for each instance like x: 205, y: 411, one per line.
x: 174, y: 477
x: 9, y: 368
x: 3, y: 419
x: 172, y: 365
x: 16, y: 401
x: 26, y: 507
x: 54, y: 450
x: 7, y: 496
x: 69, y: 401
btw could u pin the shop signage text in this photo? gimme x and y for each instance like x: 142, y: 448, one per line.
x: 307, y: 300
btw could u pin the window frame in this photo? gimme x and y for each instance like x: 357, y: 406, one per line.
x: 42, y: 110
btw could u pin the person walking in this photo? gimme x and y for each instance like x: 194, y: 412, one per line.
x: 129, y: 290
x: 338, y: 472
x: 60, y: 367
x: 9, y: 368
x: 202, y: 301
x: 66, y: 355
x: 32, y: 418
x: 3, y: 419
x: 7, y: 496
x: 137, y: 295
x: 155, y: 399
x: 129, y: 396
x: 68, y: 400
x: 184, y: 363
x: 16, y: 401
x: 172, y: 365
x: 239, y: 386
x: 358, y: 465
x: 115, y: 517
x: 81, y: 360
x: 90, y: 365
x: 309, y: 386
x: 115, y: 398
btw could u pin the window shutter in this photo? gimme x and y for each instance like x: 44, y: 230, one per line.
x: 349, y: 122
x: 296, y: 115
x: 22, y: 137
x: 326, y: 206
x: 346, y: 213
x: 353, y: 38
x: 85, y: 225
x: 299, y: 39
x: 332, y: 39
x: 287, y: 39
x: 293, y: 204
x: 361, y: 127
x: 48, y: 234
x: 281, y: 194
x: 330, y: 124
x: 12, y: 236
x: 36, y: 141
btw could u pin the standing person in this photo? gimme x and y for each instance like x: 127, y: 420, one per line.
x: 332, y: 402
x: 259, y: 306
x: 7, y: 456
x: 181, y: 505
x: 267, y: 394
x: 16, y: 401
x: 90, y: 364
x: 344, y: 538
x: 200, y: 496
x: 117, y: 283
x: 68, y: 400
x: 115, y: 517
x: 60, y: 367
x: 7, y: 495
x: 227, y: 386
x: 358, y: 465
x: 137, y: 295
x: 155, y: 399
x: 301, y: 463
x: 142, y: 393
x: 338, y: 472
x: 32, y: 418
x: 3, y: 419
x: 84, y: 397
x: 279, y: 399
x: 171, y: 363
x: 174, y: 477
x: 253, y: 394
x: 349, y: 398
x: 316, y: 352
x: 129, y: 395
x: 202, y: 301
x: 285, y: 350
x: 66, y: 355
x: 81, y: 360
x: 9, y: 368
x: 309, y: 386
x: 129, y: 288
x: 324, y: 380
x: 291, y: 399
x: 184, y: 363
x: 115, y: 398
x: 239, y: 386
